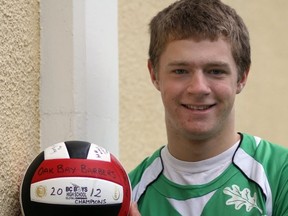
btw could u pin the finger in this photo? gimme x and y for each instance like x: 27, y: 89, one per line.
x: 134, y: 210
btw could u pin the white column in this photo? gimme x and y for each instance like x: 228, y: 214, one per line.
x: 79, y: 72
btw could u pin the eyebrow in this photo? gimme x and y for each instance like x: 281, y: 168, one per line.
x: 178, y: 63
x: 208, y: 64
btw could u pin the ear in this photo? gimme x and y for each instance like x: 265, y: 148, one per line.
x: 242, y: 82
x: 153, y: 75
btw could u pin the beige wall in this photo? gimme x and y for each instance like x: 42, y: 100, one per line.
x: 19, y: 87
x: 261, y: 108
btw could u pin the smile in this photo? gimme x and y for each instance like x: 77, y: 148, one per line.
x: 200, y: 108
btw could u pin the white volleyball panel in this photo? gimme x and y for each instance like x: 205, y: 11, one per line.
x: 76, y: 191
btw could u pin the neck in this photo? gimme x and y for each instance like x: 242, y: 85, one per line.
x: 196, y: 149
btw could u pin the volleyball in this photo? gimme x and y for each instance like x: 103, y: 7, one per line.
x: 75, y: 178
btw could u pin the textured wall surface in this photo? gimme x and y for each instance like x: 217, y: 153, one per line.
x: 261, y: 108
x: 19, y: 87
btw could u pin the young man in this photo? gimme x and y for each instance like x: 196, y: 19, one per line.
x: 199, y: 60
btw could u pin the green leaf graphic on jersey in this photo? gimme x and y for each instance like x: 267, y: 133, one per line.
x: 240, y: 198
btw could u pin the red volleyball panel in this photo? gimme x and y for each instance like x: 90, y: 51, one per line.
x: 57, y: 168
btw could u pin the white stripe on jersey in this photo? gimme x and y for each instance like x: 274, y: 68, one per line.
x: 255, y: 172
x: 150, y: 174
x: 192, y: 206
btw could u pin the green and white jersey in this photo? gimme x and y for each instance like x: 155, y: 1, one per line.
x: 255, y: 183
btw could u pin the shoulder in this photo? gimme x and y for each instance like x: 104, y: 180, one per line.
x: 266, y: 164
x: 145, y: 174
x: 262, y: 150
x: 149, y: 164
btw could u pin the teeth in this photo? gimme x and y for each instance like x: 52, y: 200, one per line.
x: 197, y: 107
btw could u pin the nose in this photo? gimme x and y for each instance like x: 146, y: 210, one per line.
x: 198, y: 84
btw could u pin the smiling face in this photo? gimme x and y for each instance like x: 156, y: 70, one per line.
x: 198, y: 83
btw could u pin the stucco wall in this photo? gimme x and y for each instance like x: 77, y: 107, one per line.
x: 19, y: 87
x: 261, y: 108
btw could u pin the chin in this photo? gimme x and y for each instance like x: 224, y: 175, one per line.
x: 199, y: 134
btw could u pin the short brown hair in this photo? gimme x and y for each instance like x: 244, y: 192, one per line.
x: 200, y: 19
